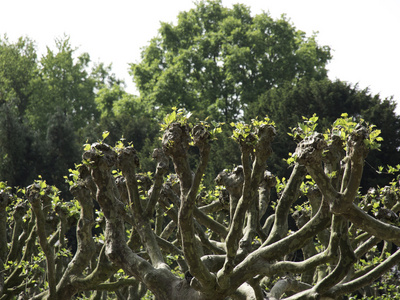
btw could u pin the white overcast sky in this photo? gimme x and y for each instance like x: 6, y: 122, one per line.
x: 364, y: 34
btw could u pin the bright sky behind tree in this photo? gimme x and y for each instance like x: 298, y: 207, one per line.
x: 364, y: 34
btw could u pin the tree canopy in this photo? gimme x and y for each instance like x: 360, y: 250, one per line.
x: 216, y: 61
x: 62, y: 83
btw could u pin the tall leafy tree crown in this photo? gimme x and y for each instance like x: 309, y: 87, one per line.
x: 217, y: 60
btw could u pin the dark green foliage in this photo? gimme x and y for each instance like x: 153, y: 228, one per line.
x: 224, y: 154
x: 329, y: 99
x: 17, y: 153
x: 62, y: 150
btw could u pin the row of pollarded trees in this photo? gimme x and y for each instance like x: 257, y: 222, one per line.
x: 169, y: 234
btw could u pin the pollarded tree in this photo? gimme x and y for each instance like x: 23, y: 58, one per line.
x: 170, y: 235
x: 216, y: 61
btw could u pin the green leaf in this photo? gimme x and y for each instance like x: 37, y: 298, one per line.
x: 105, y: 135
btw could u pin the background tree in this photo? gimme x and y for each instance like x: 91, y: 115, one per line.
x: 36, y: 94
x: 52, y: 105
x: 63, y: 84
x: 216, y: 61
x: 181, y: 240
x: 17, y: 149
x: 19, y: 67
x: 329, y: 99
x: 61, y: 149
x: 124, y: 116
